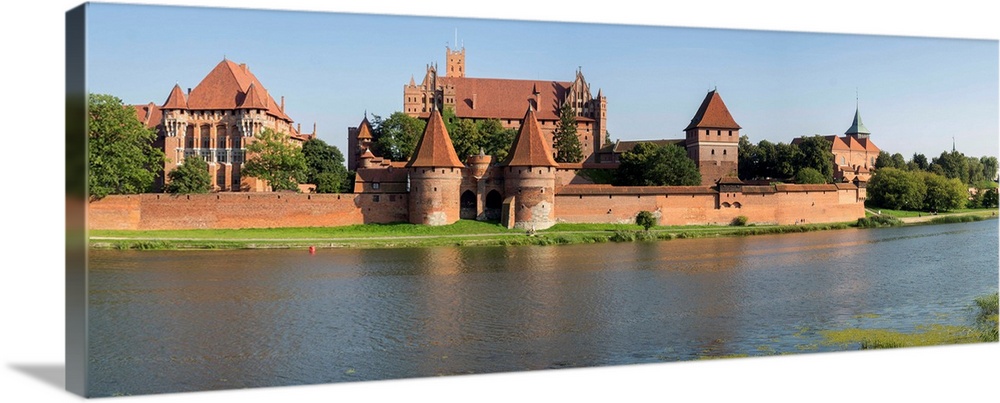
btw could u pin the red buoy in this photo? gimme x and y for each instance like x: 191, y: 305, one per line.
x: 312, y: 250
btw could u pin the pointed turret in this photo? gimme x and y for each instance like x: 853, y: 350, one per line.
x: 365, y: 130
x: 713, y: 113
x: 529, y: 147
x: 435, y: 148
x: 176, y: 99
x: 858, y: 128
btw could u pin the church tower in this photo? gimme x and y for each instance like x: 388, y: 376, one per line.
x: 858, y: 129
x: 712, y: 140
x: 435, y: 175
x: 530, y: 177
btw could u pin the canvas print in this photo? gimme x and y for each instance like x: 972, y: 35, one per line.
x: 359, y: 197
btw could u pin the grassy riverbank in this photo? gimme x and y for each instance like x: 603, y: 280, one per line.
x: 462, y: 233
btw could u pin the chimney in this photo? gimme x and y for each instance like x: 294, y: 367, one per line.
x: 314, y: 128
x: 282, y: 103
x: 189, y: 91
x: 243, y: 66
x: 473, y: 101
x: 299, y: 128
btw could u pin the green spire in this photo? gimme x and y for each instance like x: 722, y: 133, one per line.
x: 857, y: 127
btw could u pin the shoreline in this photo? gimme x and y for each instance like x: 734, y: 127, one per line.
x: 564, y: 234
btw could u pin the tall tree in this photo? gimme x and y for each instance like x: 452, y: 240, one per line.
x: 273, y: 158
x: 920, y: 161
x: 190, y: 177
x: 954, y: 165
x: 896, y: 189
x: 565, y: 141
x: 989, y: 167
x: 396, y: 137
x: 495, y: 139
x: 814, y: 152
x: 884, y: 160
x: 465, y: 137
x: 943, y: 194
x: 325, y: 167
x: 647, y: 164
x: 120, y: 153
x: 748, y: 159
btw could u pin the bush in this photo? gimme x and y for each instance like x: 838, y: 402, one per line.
x: 645, y: 219
x: 739, y: 221
x: 878, y: 221
x: 190, y: 177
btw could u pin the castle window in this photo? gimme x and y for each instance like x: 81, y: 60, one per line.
x: 375, y: 198
x: 730, y: 133
x: 713, y: 151
x: 375, y: 185
x: 723, y: 152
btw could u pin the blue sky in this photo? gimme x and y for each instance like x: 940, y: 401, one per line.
x: 915, y: 93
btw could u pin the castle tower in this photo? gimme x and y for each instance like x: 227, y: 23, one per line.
x: 435, y: 174
x: 455, y: 66
x: 359, y: 139
x: 530, y: 177
x: 712, y: 140
x: 175, y: 123
x: 479, y: 163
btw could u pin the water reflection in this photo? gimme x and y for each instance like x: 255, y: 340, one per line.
x: 174, y: 321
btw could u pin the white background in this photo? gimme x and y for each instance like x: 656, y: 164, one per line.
x: 32, y: 93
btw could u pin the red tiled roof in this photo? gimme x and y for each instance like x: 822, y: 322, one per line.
x: 588, y: 189
x: 502, y: 98
x: 225, y: 87
x: 435, y: 148
x: 868, y: 145
x: 804, y: 188
x: 713, y: 114
x: 176, y: 99
x: 530, y: 147
x: 150, y: 115
x: 365, y: 129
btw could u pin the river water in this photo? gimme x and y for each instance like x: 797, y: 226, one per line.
x: 170, y: 321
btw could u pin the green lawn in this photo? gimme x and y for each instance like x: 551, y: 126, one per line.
x: 462, y: 227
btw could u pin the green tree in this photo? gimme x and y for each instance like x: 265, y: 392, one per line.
x: 396, y: 137
x: 943, y: 194
x: 749, y: 157
x: 650, y: 165
x: 991, y: 198
x: 920, y: 161
x: 884, y: 160
x: 496, y: 140
x: 466, y: 139
x: 898, y: 161
x: 645, y: 219
x: 989, y: 167
x: 954, y: 165
x: 809, y: 175
x: 120, y: 153
x: 976, y: 170
x: 190, y: 177
x: 814, y: 152
x: 787, y: 158
x: 325, y: 167
x: 565, y: 140
x: 272, y: 157
x: 896, y: 189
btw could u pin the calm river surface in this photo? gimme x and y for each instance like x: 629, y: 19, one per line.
x: 168, y: 321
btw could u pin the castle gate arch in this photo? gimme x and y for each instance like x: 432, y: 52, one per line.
x: 467, y: 206
x: 494, y: 201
